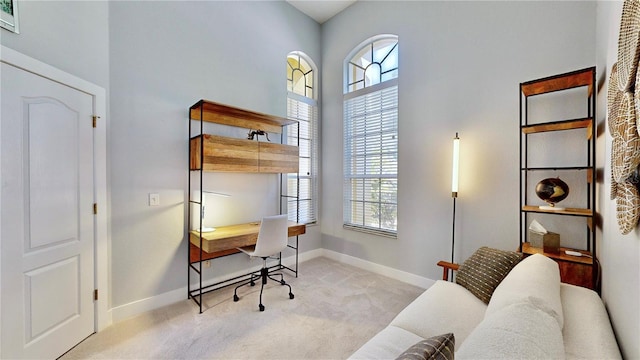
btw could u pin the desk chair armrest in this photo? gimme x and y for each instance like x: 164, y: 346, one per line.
x: 446, y: 266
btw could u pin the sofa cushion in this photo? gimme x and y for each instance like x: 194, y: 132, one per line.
x: 443, y: 308
x: 439, y: 347
x: 587, y: 331
x: 520, y: 330
x: 387, y: 344
x: 536, y: 278
x: 484, y: 270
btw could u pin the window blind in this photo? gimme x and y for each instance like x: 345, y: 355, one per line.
x: 302, y: 190
x: 371, y: 159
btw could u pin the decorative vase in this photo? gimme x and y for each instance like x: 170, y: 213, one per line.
x: 552, y: 191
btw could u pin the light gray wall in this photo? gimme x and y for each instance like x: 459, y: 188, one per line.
x: 619, y: 254
x: 460, y: 68
x: 165, y: 56
x: 72, y: 36
x: 156, y: 59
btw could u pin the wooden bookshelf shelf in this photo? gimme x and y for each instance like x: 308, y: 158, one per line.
x: 566, y: 211
x: 560, y: 82
x: 561, y: 255
x: 559, y: 126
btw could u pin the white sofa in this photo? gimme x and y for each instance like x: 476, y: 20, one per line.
x: 531, y: 314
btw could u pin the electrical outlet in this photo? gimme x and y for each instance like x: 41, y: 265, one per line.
x: 207, y: 264
x: 154, y: 199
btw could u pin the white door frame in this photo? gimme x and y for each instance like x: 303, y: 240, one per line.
x: 101, y: 240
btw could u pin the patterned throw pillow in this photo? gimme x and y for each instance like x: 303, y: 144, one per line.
x: 439, y: 347
x: 483, y: 271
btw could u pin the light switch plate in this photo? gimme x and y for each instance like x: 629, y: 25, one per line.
x: 154, y: 199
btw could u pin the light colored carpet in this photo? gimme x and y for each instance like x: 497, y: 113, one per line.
x: 336, y: 309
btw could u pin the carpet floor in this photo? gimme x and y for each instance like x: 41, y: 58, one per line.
x: 336, y: 309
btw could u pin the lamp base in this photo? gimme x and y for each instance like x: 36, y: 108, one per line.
x: 546, y: 207
x: 206, y: 229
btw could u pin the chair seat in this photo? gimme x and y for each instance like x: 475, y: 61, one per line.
x: 249, y: 250
x: 272, y: 239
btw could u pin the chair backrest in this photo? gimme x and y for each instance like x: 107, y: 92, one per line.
x: 272, y: 237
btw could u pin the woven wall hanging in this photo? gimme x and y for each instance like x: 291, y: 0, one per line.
x: 623, y: 108
x: 628, y: 45
x: 614, y: 96
x: 627, y: 206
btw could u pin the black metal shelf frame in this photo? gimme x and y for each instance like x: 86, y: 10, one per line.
x: 197, y: 293
x: 526, y: 129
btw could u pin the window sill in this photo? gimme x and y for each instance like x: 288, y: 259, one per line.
x: 378, y: 232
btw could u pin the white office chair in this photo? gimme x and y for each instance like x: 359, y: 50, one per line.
x: 272, y: 239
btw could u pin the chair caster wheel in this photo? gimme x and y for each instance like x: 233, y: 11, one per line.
x: 290, y: 295
x: 261, y: 307
x: 252, y: 283
x: 282, y: 282
x: 235, y: 298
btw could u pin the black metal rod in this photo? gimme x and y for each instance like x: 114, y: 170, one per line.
x: 453, y: 235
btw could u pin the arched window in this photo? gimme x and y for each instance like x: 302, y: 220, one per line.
x: 303, y: 106
x: 371, y: 136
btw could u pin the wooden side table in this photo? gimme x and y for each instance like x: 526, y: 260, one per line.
x: 575, y: 270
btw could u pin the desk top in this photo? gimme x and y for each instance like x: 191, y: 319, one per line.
x: 235, y: 236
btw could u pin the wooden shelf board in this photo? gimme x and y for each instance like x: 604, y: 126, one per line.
x: 228, y: 115
x: 558, y: 168
x: 560, y: 82
x: 561, y: 255
x: 567, y: 211
x: 559, y: 126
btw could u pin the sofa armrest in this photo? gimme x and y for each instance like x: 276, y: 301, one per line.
x: 446, y: 266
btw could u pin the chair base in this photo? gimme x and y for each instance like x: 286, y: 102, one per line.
x: 264, y: 276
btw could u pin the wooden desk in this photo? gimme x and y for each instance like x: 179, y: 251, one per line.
x: 226, y: 239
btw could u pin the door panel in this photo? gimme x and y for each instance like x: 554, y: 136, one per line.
x: 53, y: 294
x: 53, y: 171
x: 47, y: 243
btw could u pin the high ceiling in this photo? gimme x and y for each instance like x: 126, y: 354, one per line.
x: 321, y: 10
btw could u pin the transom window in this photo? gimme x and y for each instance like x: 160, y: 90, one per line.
x: 374, y: 63
x: 303, y: 107
x: 371, y: 137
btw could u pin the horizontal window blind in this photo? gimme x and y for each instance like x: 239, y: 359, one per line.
x: 371, y: 160
x: 302, y: 189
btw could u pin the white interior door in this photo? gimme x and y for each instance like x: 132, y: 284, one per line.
x: 46, y: 244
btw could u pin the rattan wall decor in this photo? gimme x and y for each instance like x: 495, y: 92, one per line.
x: 623, y: 108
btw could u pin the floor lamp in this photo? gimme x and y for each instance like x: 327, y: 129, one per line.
x: 454, y: 192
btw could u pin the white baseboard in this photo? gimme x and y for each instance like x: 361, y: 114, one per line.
x: 396, y: 274
x: 138, y: 307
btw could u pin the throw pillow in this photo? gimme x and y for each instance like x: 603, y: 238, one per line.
x: 439, y: 347
x: 483, y: 271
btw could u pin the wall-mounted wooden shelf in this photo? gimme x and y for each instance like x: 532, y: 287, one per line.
x: 213, y: 112
x: 226, y: 154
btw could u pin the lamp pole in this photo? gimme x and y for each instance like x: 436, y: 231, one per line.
x: 454, y: 192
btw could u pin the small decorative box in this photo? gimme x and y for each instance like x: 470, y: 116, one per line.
x: 549, y: 242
